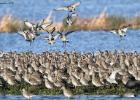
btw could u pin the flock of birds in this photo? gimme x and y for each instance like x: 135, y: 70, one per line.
x: 53, y: 33
x: 47, y: 25
x: 66, y: 70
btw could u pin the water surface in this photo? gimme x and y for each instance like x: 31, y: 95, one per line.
x: 80, y: 41
x: 83, y: 97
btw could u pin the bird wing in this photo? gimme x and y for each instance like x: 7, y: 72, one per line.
x: 76, y: 4
x: 61, y: 9
x: 44, y: 26
x: 46, y: 38
x: 21, y: 32
x: 113, y: 74
x: 24, y: 34
x: 41, y: 22
x: 48, y: 19
x: 60, y: 32
x: 69, y: 32
x: 113, y: 31
x: 52, y: 31
x: 28, y: 24
x: 124, y: 29
x: 56, y: 36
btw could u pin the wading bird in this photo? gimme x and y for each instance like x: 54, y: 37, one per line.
x: 26, y: 94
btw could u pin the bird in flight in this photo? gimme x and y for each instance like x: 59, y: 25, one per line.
x: 63, y: 36
x: 51, y: 38
x: 121, y: 32
x: 28, y: 35
x: 70, y: 8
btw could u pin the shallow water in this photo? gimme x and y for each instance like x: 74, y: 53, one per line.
x: 83, y: 97
x: 79, y: 41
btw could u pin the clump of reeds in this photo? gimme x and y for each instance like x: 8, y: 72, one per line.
x: 115, y: 22
x: 135, y: 22
x: 9, y: 24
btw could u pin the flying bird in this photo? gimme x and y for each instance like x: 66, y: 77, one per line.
x: 51, y: 38
x: 70, y: 8
x: 28, y: 36
x: 121, y: 31
x: 70, y: 18
x: 63, y: 36
x: 34, y: 28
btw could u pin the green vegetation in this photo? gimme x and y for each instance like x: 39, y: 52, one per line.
x: 87, y: 90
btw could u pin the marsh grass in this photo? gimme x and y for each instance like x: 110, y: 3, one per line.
x: 9, y: 23
x: 114, y: 22
x: 135, y: 22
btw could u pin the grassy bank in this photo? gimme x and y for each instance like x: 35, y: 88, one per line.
x: 10, y: 23
x: 87, y: 90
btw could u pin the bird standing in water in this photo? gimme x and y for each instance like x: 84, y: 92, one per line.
x: 26, y: 94
x: 67, y: 92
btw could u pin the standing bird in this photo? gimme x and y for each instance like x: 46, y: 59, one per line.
x: 26, y: 94
x: 112, y: 78
x: 67, y: 92
x: 70, y: 8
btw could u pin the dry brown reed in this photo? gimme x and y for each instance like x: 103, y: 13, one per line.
x: 8, y: 23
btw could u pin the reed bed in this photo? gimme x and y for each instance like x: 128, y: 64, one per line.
x: 9, y: 23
